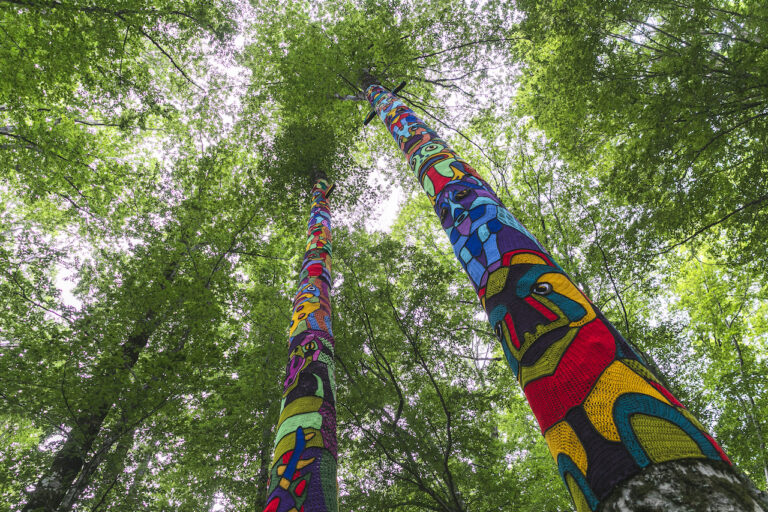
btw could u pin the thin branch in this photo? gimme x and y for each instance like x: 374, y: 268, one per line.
x: 482, y: 151
x: 162, y: 50
x: 479, y: 41
x: 608, y: 269
x: 712, y: 224
x: 353, y: 86
x: 257, y: 255
x: 726, y: 132
x: 474, y: 358
x: 21, y: 293
x: 443, y: 402
x: 230, y: 248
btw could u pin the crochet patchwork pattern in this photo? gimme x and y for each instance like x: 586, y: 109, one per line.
x: 303, y: 472
x: 603, y: 413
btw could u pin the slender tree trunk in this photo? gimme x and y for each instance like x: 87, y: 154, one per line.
x: 610, y: 424
x: 265, y: 462
x: 262, y: 482
x: 303, y: 468
x: 68, y: 461
x: 750, y: 410
x: 89, y: 468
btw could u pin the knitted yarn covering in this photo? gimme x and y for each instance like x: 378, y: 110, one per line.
x: 603, y: 413
x: 303, y: 472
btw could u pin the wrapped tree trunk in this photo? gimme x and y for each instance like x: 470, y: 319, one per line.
x: 607, y: 419
x: 303, y: 470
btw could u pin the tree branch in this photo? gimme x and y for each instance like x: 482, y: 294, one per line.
x: 162, y: 50
x: 712, y: 224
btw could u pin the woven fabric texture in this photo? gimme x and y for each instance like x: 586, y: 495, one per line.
x: 303, y: 472
x: 603, y: 413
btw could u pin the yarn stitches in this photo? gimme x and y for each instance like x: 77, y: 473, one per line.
x: 303, y: 471
x: 603, y: 413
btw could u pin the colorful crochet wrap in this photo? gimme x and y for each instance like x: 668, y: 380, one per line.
x: 603, y: 413
x: 303, y: 473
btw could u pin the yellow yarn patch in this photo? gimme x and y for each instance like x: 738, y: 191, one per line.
x: 562, y: 439
x: 663, y: 440
x: 524, y: 257
x: 562, y: 285
x: 547, y: 363
x: 323, y: 235
x: 578, y: 497
x: 496, y: 282
x: 300, y: 405
x: 616, y: 380
x: 641, y: 370
x: 300, y: 315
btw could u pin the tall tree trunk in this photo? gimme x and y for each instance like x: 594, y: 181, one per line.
x: 121, y: 433
x: 54, y: 485
x: 69, y: 459
x: 608, y: 420
x: 303, y: 468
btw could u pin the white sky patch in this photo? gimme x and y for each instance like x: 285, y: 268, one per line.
x: 52, y: 443
x: 78, y: 255
x: 386, y: 213
x: 220, y: 502
x: 66, y: 280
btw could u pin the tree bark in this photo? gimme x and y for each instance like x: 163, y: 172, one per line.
x: 52, y: 487
x: 68, y: 461
x: 265, y: 462
x: 687, y: 486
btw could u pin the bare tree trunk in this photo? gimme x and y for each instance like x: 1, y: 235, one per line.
x: 687, y: 486
x: 262, y: 482
x: 69, y: 460
x: 90, y: 467
x: 54, y: 485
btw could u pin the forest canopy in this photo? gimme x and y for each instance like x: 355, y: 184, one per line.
x: 155, y: 175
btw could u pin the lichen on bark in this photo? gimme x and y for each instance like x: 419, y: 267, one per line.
x: 691, y: 485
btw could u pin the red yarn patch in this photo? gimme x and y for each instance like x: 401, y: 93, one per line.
x: 661, y: 389
x: 511, y: 328
x: 593, y: 349
x: 272, y: 505
x: 717, y: 447
x: 438, y: 180
x: 541, y: 308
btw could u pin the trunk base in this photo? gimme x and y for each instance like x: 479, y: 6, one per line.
x: 690, y: 485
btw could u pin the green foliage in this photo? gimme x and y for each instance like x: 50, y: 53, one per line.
x: 726, y: 313
x: 152, y: 189
x: 663, y: 103
x: 82, y: 85
x: 449, y: 426
x: 657, y: 105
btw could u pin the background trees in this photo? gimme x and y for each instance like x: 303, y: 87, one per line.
x: 153, y: 160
